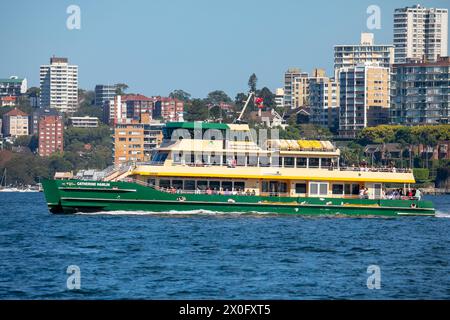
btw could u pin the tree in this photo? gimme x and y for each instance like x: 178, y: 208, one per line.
x: 196, y: 110
x: 180, y: 95
x: 34, y: 91
x: 121, y: 88
x: 268, y: 97
x: 252, y: 82
x: 216, y: 97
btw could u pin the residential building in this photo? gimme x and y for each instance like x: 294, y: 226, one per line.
x: 131, y: 106
x: 364, y: 95
x: 128, y: 142
x: 279, y: 97
x: 104, y: 93
x: 84, y: 122
x: 347, y: 56
x: 421, y: 93
x: 168, y: 109
x: 109, y: 111
x: 36, y: 115
x: 295, y: 88
x: 59, y: 85
x: 51, y: 134
x: 420, y: 33
x: 15, y: 123
x: 153, y: 136
x: 9, y: 101
x: 269, y: 118
x: 135, y: 140
x: 324, y: 102
x: 13, y: 86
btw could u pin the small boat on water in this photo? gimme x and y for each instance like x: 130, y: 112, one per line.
x: 218, y: 167
x: 5, y: 188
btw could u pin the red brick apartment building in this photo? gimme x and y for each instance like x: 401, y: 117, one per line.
x: 51, y: 136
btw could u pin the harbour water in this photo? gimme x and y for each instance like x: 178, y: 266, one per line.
x: 216, y: 256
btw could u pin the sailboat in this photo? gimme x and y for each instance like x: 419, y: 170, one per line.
x: 3, y: 187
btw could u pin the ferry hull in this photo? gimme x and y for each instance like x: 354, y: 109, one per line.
x: 71, y: 196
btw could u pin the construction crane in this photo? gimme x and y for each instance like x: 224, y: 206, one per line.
x: 239, y: 119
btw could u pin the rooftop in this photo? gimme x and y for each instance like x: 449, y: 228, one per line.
x: 16, y: 112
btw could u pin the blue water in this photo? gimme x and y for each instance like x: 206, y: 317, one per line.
x: 214, y: 256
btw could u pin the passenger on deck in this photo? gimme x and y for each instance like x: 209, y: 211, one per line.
x: 418, y: 195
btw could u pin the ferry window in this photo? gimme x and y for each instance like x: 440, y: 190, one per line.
x: 318, y: 188
x: 253, y: 160
x: 177, y: 184
x: 239, y: 185
x: 313, y: 162
x: 300, y: 188
x: 348, y: 188
x: 264, y: 161
x: 289, y: 162
x: 189, y: 185
x: 282, y: 187
x: 214, y: 185
x: 164, y: 183
x: 355, y: 189
x: 338, y: 189
x: 202, y: 184
x: 265, y: 186
x: 325, y: 162
x: 323, y: 189
x: 276, y: 161
x: 301, y: 162
x: 160, y: 157
x: 151, y: 182
x: 227, y: 185
x: 177, y: 156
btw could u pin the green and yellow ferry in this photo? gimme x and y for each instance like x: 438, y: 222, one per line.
x: 218, y: 167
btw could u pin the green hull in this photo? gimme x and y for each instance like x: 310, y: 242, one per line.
x: 70, y: 196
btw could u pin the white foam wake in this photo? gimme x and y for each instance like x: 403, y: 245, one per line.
x: 173, y: 212
x: 442, y: 214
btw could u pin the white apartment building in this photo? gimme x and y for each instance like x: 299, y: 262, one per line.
x: 420, y: 33
x: 279, y: 97
x: 84, y: 122
x: 59, y: 85
x: 324, y: 102
x: 364, y: 98
x: 348, y: 56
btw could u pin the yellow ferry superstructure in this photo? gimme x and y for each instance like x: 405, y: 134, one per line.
x: 292, y: 168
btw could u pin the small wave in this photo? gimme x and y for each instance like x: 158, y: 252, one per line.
x: 442, y: 214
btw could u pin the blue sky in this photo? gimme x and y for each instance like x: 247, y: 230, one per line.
x: 156, y: 46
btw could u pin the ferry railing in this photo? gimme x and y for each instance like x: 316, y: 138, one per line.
x: 330, y: 168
